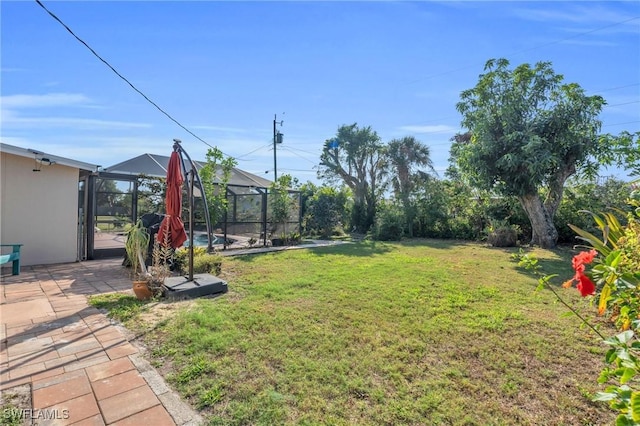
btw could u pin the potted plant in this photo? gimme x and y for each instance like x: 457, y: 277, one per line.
x: 136, y: 246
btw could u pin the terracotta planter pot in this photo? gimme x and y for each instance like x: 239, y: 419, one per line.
x: 141, y: 289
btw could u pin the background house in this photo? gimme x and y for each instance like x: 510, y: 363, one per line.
x: 39, y: 204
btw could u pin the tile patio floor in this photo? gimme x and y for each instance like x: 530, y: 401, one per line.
x: 72, y: 357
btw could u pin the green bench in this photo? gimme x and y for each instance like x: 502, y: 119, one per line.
x: 14, y: 257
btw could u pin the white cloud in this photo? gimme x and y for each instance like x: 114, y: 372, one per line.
x: 47, y: 100
x: 50, y: 117
x: 439, y: 128
x: 12, y: 120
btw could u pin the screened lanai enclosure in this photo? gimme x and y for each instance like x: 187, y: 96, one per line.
x: 119, y: 195
x: 250, y: 214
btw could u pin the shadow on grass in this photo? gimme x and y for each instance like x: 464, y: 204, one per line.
x: 441, y: 244
x: 560, y: 265
x: 360, y: 249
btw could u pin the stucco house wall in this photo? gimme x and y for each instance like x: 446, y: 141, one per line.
x: 39, y: 209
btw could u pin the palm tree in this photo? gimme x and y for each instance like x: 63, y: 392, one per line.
x: 405, y: 157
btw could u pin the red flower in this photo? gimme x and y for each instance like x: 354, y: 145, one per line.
x: 583, y: 258
x: 585, y: 286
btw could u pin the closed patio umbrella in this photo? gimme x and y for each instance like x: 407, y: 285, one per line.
x: 201, y: 284
x: 172, y: 225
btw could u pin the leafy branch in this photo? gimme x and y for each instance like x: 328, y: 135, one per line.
x: 530, y: 263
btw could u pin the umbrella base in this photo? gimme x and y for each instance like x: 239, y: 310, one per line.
x: 202, y: 285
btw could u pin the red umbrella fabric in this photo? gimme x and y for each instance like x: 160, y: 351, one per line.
x: 172, y: 224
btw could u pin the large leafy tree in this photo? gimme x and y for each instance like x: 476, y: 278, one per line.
x: 405, y: 159
x: 622, y: 150
x: 356, y: 157
x: 529, y: 134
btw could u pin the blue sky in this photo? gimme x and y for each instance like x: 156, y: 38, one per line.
x: 223, y: 69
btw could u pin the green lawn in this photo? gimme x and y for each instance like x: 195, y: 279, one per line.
x: 422, y: 332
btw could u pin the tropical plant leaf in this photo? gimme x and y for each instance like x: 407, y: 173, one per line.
x: 623, y: 420
x: 630, y: 280
x: 611, y: 229
x: 627, y: 375
x: 591, y: 239
x: 616, y: 230
x: 625, y: 336
x: 613, y: 259
x: 604, y: 396
x: 604, y: 376
x: 635, y: 407
x: 604, y: 297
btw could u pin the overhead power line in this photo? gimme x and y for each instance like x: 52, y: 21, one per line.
x: 104, y: 61
x: 298, y: 170
x: 617, y: 87
x: 621, y: 124
x: 298, y: 155
x: 251, y: 152
x: 624, y: 103
x: 302, y: 150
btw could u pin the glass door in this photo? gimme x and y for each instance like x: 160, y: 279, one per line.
x: 113, y: 213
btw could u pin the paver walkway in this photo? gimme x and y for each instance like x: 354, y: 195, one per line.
x: 80, y: 368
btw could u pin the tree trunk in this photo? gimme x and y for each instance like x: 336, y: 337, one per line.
x: 408, y: 212
x: 556, y: 188
x: 360, y: 209
x: 544, y: 232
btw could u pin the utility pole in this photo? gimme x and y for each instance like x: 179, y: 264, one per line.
x: 277, y: 138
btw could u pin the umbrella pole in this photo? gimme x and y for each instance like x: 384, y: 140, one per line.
x: 191, y: 219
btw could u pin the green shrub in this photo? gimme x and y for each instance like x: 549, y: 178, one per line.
x: 389, y: 223
x: 452, y: 210
x: 326, y: 210
x: 181, y: 257
x: 207, y: 264
x: 589, y: 196
x: 294, y: 238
